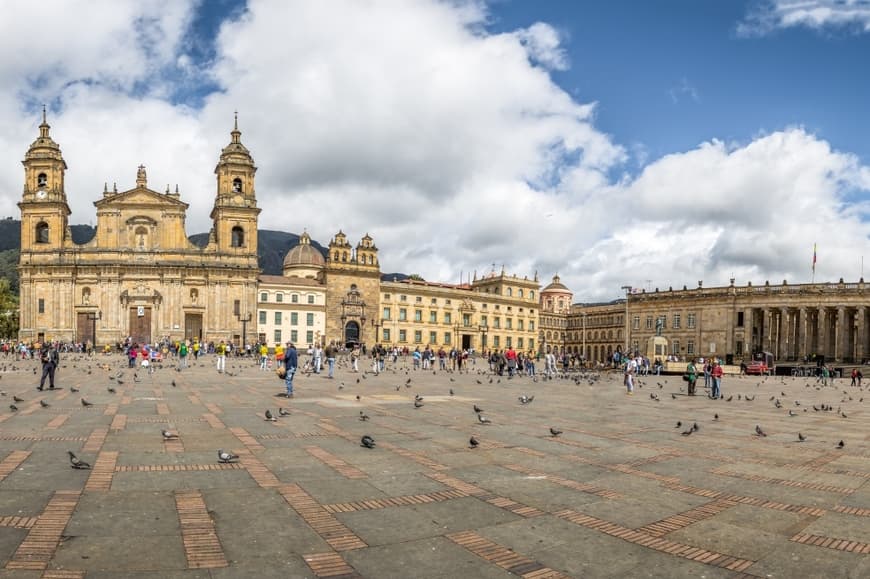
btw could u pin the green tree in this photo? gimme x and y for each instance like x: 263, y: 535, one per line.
x: 8, y: 310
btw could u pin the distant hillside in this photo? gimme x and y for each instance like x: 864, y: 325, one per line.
x: 272, y: 246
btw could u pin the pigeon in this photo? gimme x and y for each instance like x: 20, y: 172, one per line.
x: 673, y: 396
x: 688, y: 432
x: 472, y: 442
x: 554, y: 432
x: 13, y: 408
x: 418, y: 403
x: 716, y: 417
x: 283, y: 411
x: 75, y: 462
x: 119, y: 381
x: 85, y: 403
x: 679, y: 424
x: 111, y: 390
x: 478, y: 409
x: 367, y: 441
x: 418, y: 397
x: 695, y: 427
x: 759, y: 431
x: 173, y: 384
x: 792, y: 413
x: 169, y: 435
x: 483, y: 419
x: 226, y: 456
x: 841, y: 444
x: 526, y: 399
x: 801, y: 437
x: 451, y: 391
x: 44, y: 404
x: 363, y: 416
x: 269, y: 416
x: 17, y: 399
x: 73, y: 389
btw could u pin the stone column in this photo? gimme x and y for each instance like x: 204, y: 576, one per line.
x: 801, y: 323
x: 860, y: 334
x: 821, y: 332
x: 785, y: 335
x: 841, y: 336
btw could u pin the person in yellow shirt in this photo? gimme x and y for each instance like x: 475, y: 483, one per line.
x: 264, y: 355
x: 279, y: 355
x: 221, y: 351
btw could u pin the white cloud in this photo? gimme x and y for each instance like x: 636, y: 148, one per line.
x: 451, y: 146
x: 816, y: 14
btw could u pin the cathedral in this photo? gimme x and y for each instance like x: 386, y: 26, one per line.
x: 140, y: 276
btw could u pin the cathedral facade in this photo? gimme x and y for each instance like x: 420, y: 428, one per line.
x: 140, y: 276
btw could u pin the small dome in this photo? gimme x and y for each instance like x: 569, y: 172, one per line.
x: 557, y: 285
x: 304, y: 254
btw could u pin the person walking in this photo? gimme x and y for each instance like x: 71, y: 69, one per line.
x: 182, y: 355
x: 692, y: 374
x: 630, y: 371
x: 221, y: 352
x: 716, y: 375
x: 264, y: 355
x: 318, y: 358
x: 330, y: 359
x: 50, y: 359
x: 291, y: 361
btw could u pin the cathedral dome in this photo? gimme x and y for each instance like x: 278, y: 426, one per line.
x: 304, y: 254
x: 556, y: 286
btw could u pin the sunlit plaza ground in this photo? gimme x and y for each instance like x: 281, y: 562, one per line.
x: 622, y: 492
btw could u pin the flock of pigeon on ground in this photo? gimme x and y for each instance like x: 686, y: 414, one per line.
x: 367, y: 441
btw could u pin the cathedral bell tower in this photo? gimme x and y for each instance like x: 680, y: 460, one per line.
x: 44, y: 209
x: 235, y: 211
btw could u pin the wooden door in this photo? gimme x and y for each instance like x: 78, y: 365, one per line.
x: 84, y: 328
x: 140, y: 324
x: 193, y: 326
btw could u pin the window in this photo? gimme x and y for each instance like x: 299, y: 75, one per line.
x: 386, y: 334
x: 508, y: 342
x: 294, y: 298
x: 386, y: 296
x: 531, y: 326
x: 419, y: 299
x: 237, y: 307
x: 309, y: 336
x: 635, y: 323
x: 483, y: 320
x: 690, y: 347
x: 277, y: 336
x: 510, y: 292
x: 309, y: 319
x: 509, y: 323
x: 433, y: 317
x: 386, y: 313
x: 447, y: 338
x: 237, y: 185
x: 676, y: 322
x: 447, y: 302
x: 41, y: 306
x: 42, y: 232
x: 277, y: 318
x: 520, y: 326
x: 531, y: 297
x: 403, y: 298
x: 690, y: 321
x: 279, y: 297
x: 264, y: 297
x: 403, y: 336
x: 466, y: 320
x: 495, y: 342
x: 141, y: 237
x: 483, y: 306
x: 310, y: 298
x: 520, y: 342
x: 521, y: 295
x: 531, y: 343
x: 237, y: 237
x: 498, y: 307
x: 262, y: 317
x: 740, y: 347
x: 433, y: 337
x: 403, y: 314
x: 739, y: 319
x: 294, y: 336
x: 418, y: 315
x: 294, y: 318
x: 41, y: 180
x: 649, y: 323
x: 434, y: 301
x: 496, y: 322
x: 676, y: 348
x: 418, y: 337
x: 448, y: 319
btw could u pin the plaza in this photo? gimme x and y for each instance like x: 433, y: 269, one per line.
x: 621, y: 492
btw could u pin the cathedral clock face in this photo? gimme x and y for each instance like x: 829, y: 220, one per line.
x: 41, y: 194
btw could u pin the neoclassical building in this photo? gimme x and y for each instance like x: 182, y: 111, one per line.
x: 140, y: 276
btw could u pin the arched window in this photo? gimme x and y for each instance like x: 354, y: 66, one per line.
x: 42, y: 232
x: 141, y: 237
x: 521, y: 293
x: 42, y: 180
x: 343, y: 256
x: 237, y: 185
x: 531, y: 294
x: 561, y: 304
x: 238, y: 237
x: 335, y: 256
x: 609, y: 334
x: 510, y: 292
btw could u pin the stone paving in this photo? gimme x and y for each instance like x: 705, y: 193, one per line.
x: 622, y: 492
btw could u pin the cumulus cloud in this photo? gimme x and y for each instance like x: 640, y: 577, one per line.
x: 452, y: 146
x: 816, y: 14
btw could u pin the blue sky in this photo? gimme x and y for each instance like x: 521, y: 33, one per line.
x: 612, y: 142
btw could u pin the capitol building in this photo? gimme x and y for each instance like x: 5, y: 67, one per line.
x: 140, y: 276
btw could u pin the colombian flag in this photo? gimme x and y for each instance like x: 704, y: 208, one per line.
x: 814, y: 258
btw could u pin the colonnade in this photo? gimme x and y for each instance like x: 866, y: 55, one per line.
x: 792, y: 333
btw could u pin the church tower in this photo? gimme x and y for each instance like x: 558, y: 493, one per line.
x: 353, y: 279
x: 235, y: 212
x: 44, y: 209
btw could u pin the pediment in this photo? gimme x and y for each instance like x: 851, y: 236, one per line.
x: 140, y: 197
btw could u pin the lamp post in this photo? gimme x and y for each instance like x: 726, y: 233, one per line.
x: 483, y: 329
x: 627, y: 289
x: 93, y: 317
x: 244, y: 320
x: 584, y: 340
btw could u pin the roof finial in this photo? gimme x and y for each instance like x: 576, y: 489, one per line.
x: 43, y: 112
x: 141, y: 178
x: 43, y: 128
x: 236, y: 133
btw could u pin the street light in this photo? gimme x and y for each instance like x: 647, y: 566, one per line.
x: 244, y: 320
x: 93, y: 317
x: 584, y: 340
x: 627, y: 289
x: 483, y: 329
